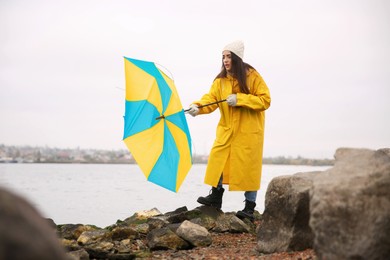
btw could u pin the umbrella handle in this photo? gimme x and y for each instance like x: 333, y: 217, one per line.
x: 205, y: 105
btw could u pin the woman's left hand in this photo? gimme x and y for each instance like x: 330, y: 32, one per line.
x: 231, y: 100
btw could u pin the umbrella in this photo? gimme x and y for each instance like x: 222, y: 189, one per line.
x: 155, y: 130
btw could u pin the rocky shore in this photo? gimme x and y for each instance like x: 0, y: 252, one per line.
x: 201, y: 233
x: 151, y: 234
x: 341, y: 213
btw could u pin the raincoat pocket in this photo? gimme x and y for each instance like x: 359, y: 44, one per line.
x: 250, y: 122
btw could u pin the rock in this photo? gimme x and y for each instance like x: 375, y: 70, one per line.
x: 208, y: 222
x: 73, y: 231
x: 222, y: 224
x: 210, y: 211
x: 81, y: 254
x: 51, y: 223
x: 157, y: 222
x: 177, y: 216
x: 124, y: 246
x: 100, y: 250
x: 350, y: 206
x: 148, y: 213
x: 237, y: 225
x: 138, y: 217
x: 70, y: 245
x: 24, y: 233
x: 121, y: 256
x: 205, y: 216
x: 196, y: 235
x: 164, y: 238
x: 91, y: 237
x: 128, y: 246
x: 285, y: 225
x: 142, y: 228
x: 228, y: 222
x: 120, y: 233
x: 174, y: 227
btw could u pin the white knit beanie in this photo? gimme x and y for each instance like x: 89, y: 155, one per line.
x: 237, y: 47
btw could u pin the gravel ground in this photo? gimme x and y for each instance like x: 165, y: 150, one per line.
x: 230, y: 246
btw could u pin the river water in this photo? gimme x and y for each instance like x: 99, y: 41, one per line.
x: 100, y: 194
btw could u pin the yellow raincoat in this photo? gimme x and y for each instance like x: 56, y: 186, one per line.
x: 238, y: 148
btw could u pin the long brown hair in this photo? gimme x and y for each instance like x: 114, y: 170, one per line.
x: 239, y: 69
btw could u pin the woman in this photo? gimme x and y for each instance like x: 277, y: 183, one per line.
x: 236, y: 156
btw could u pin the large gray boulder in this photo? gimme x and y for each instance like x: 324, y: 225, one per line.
x: 285, y: 225
x: 350, y: 206
x: 195, y: 234
x: 24, y: 233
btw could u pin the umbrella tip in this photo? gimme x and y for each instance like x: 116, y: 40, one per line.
x: 160, y: 117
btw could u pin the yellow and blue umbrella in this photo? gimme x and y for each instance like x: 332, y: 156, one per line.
x: 156, y: 130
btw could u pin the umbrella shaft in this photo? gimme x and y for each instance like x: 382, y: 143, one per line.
x: 209, y: 104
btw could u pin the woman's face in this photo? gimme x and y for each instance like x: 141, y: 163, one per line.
x: 227, y: 60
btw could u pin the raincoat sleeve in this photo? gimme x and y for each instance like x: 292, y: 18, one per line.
x: 259, y: 98
x: 208, y: 98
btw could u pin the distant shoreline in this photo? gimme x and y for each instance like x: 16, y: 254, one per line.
x: 317, y: 163
x: 28, y: 154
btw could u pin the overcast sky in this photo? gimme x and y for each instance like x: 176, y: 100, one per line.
x: 326, y: 63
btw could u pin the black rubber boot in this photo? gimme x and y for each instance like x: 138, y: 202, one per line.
x: 214, y: 199
x: 248, y: 211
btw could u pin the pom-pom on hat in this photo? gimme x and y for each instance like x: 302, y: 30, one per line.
x: 237, y: 47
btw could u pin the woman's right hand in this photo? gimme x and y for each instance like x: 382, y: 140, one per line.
x: 193, y: 110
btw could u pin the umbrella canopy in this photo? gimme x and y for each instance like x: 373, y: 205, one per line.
x: 156, y: 130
